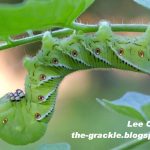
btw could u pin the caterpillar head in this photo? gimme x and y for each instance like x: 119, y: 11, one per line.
x: 17, y: 122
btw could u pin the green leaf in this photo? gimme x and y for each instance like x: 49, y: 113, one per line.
x: 39, y: 14
x: 58, y: 146
x: 132, y: 104
x: 144, y: 3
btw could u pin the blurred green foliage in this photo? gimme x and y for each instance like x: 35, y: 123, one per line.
x: 132, y: 104
x: 144, y: 3
x: 39, y: 15
x: 60, y: 146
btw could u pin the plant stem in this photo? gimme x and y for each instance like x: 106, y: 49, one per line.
x: 32, y: 39
x: 75, y: 26
x: 131, y: 144
x: 114, y: 27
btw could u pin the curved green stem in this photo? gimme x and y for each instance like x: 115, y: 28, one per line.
x: 129, y: 27
x: 34, y: 38
x: 75, y: 26
x: 131, y: 144
x: 115, y: 27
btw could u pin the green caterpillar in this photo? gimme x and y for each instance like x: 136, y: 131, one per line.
x: 24, y: 117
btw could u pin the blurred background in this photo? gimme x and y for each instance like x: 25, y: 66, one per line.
x: 76, y: 107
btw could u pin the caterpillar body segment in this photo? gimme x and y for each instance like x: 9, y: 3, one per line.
x: 136, y: 53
